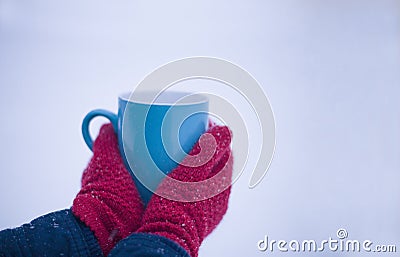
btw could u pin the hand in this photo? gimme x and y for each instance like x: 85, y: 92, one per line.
x: 108, y: 202
x: 188, y: 223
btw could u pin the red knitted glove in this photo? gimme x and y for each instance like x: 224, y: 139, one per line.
x: 108, y: 203
x: 188, y: 223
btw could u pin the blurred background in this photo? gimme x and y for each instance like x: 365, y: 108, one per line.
x: 331, y: 70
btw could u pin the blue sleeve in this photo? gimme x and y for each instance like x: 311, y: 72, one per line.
x: 55, y: 234
x: 140, y: 245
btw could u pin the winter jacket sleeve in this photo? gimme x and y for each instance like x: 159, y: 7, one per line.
x: 54, y: 234
x: 62, y: 234
x: 141, y: 244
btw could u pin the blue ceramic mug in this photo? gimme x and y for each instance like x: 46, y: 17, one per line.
x: 154, y: 135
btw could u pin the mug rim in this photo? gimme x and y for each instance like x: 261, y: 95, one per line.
x: 166, y: 98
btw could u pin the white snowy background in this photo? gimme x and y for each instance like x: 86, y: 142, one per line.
x: 331, y: 70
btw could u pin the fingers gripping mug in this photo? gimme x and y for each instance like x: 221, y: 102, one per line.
x: 154, y: 134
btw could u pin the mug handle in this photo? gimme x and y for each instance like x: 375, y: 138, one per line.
x: 86, y: 121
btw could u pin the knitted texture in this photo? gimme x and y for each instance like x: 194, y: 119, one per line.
x: 108, y: 202
x: 188, y: 223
